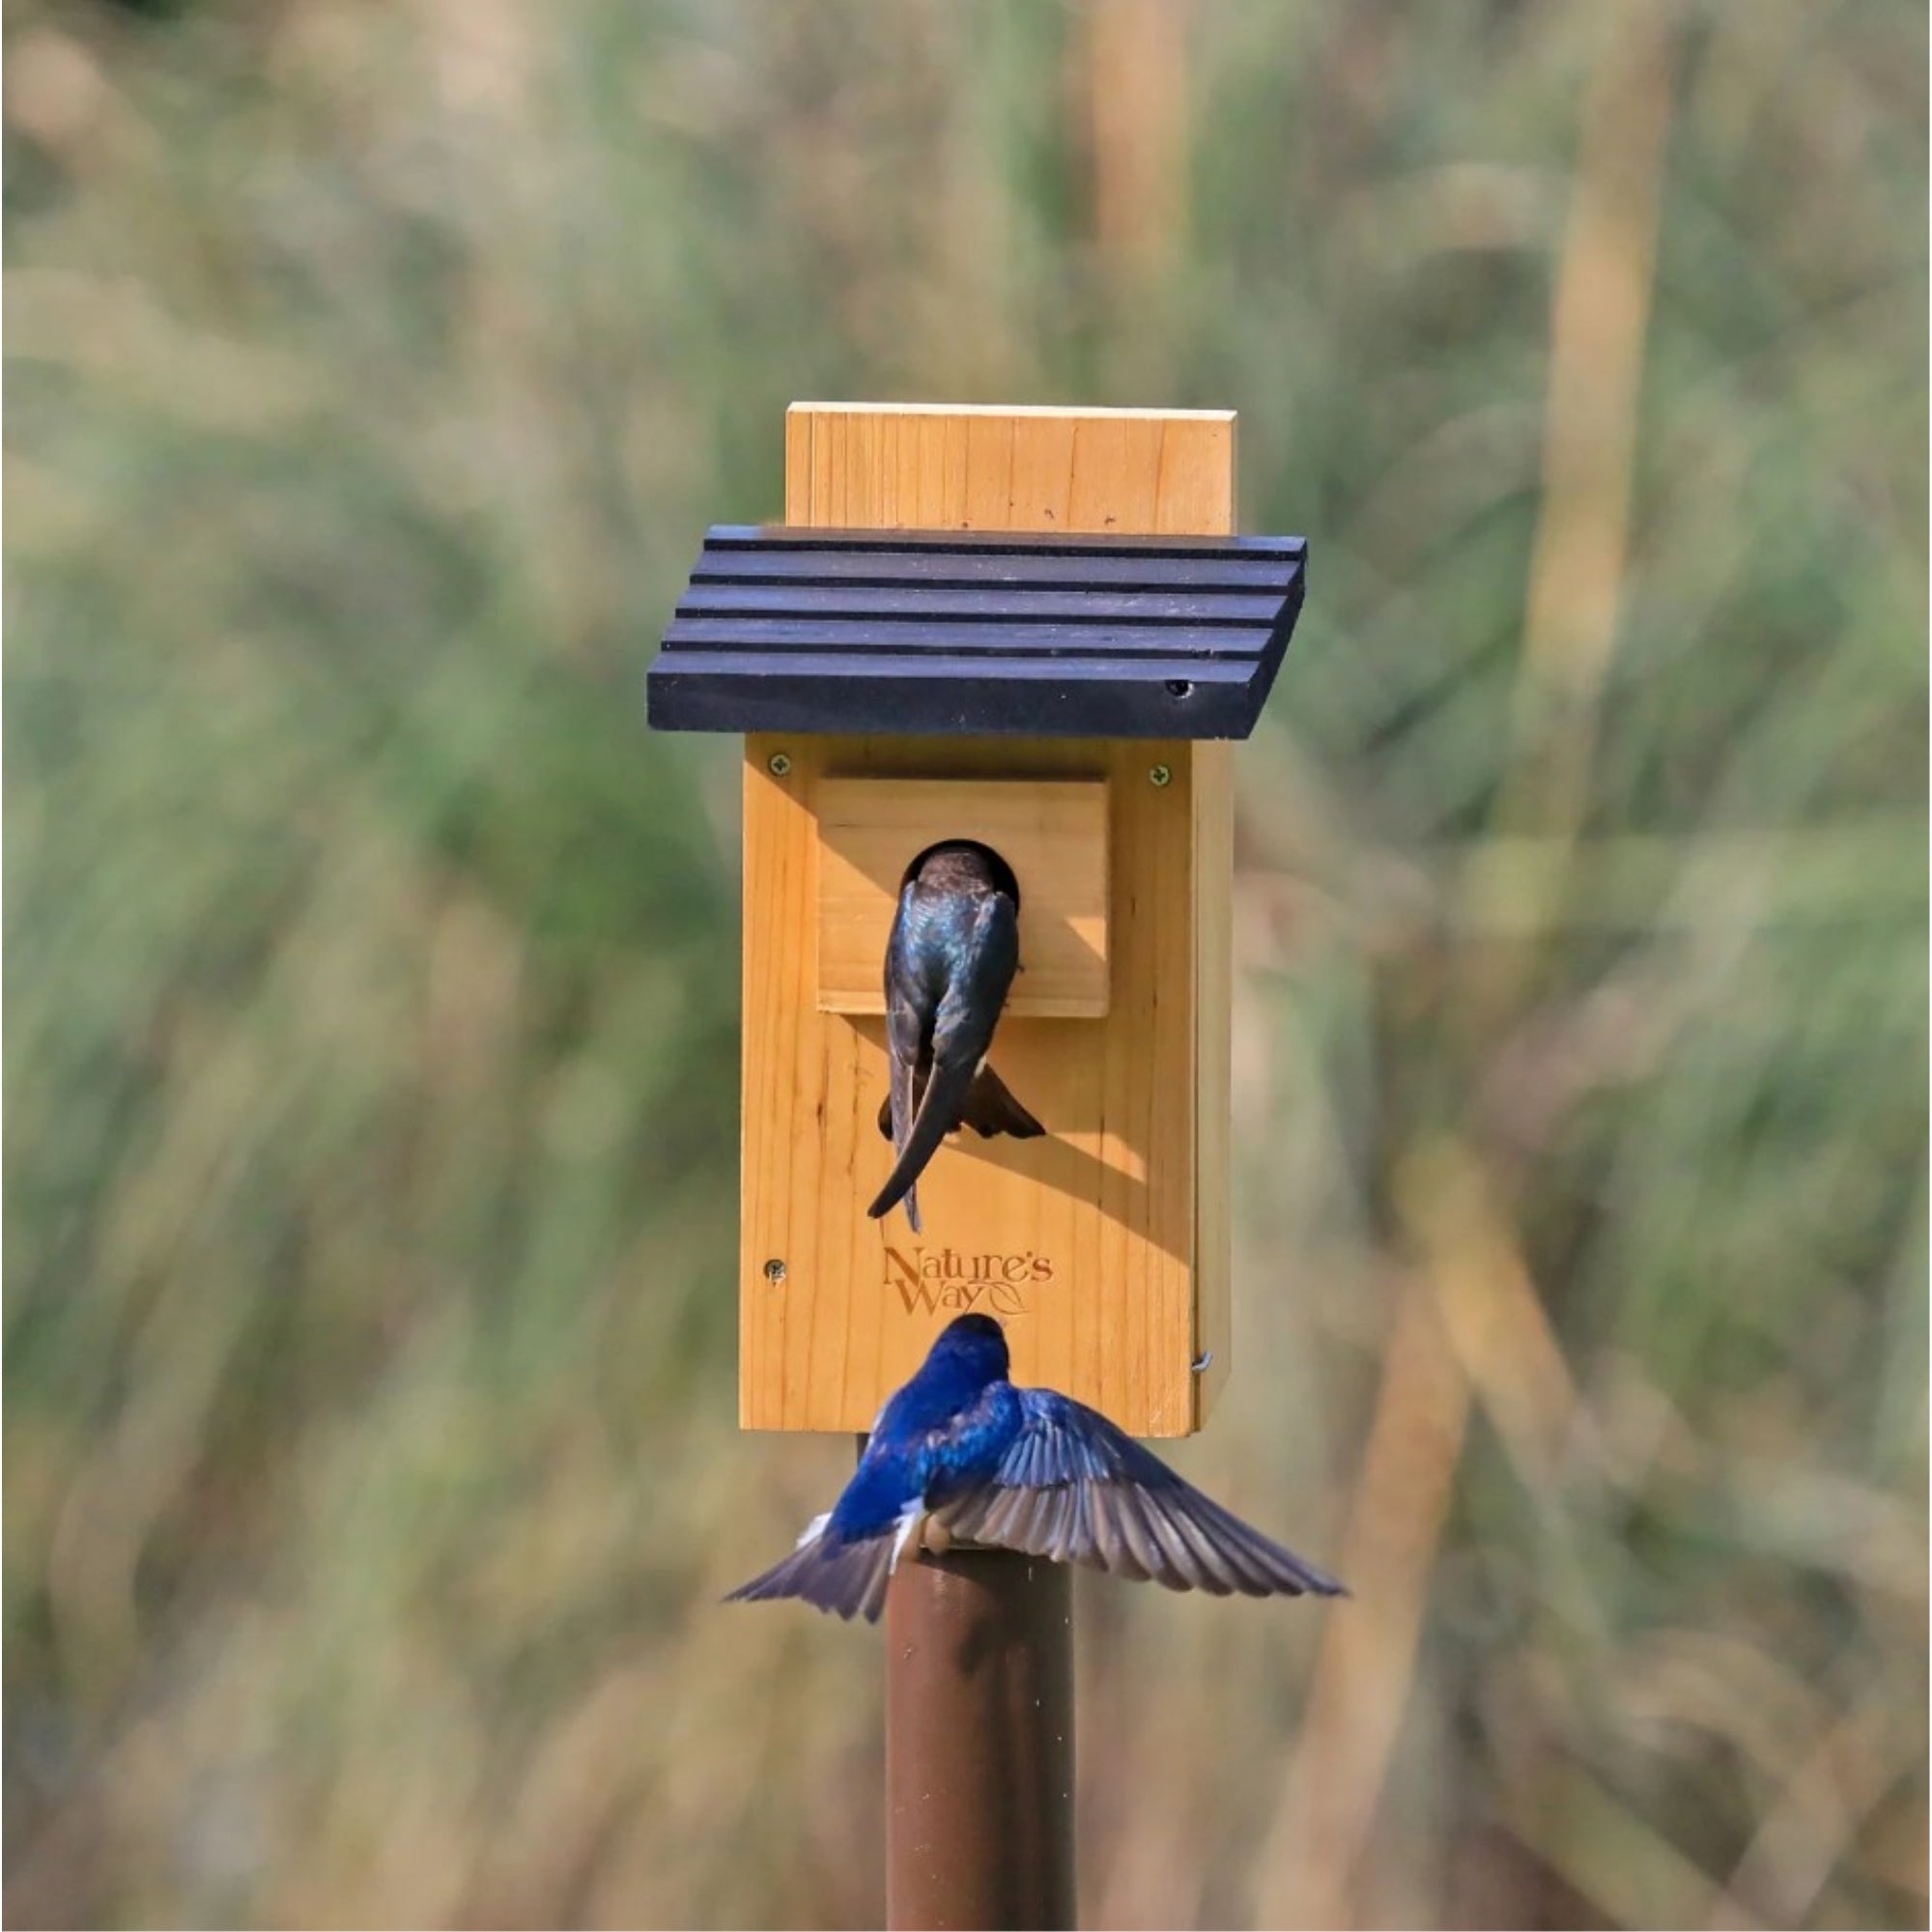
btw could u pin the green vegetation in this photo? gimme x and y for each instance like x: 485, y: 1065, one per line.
x: 371, y: 1468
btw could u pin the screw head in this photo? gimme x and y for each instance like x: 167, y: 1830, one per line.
x: 774, y: 1271
x: 778, y: 764
x: 1159, y: 777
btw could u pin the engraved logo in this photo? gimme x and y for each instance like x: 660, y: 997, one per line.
x: 930, y: 1279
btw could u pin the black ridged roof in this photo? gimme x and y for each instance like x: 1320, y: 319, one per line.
x: 965, y: 633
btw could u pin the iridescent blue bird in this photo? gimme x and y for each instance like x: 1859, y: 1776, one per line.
x: 959, y: 1455
x: 949, y: 963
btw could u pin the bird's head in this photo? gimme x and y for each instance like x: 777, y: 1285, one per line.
x: 962, y: 865
x: 973, y: 1346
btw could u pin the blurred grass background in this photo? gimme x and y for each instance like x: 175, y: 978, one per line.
x: 371, y: 1468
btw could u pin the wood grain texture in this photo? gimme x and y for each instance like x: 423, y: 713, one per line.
x: 1052, y: 832
x: 912, y: 465
x: 1097, y: 1246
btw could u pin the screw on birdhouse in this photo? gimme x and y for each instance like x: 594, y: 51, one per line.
x: 775, y: 1272
x: 1180, y: 686
x: 779, y: 764
x: 1160, y: 776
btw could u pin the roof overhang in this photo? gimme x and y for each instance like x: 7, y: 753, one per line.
x: 965, y: 633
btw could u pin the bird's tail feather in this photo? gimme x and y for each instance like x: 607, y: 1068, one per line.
x: 938, y: 1115
x: 847, y: 1578
x: 991, y: 1109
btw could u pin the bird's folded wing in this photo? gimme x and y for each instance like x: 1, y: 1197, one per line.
x: 1077, y: 1489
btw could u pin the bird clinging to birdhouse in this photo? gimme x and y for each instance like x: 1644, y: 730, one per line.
x: 949, y: 963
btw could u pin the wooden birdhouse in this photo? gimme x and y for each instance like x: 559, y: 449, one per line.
x: 1032, y: 629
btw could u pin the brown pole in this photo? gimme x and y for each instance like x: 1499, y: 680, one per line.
x: 980, y: 1743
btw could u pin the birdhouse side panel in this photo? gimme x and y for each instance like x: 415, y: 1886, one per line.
x: 1214, y: 877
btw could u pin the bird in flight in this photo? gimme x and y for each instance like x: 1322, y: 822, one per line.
x: 953, y: 950
x: 959, y: 1455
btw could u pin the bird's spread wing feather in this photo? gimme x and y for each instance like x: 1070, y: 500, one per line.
x: 847, y: 1577
x: 1077, y: 1489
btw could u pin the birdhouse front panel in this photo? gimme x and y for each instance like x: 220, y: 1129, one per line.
x: 1092, y: 1245
x: 986, y: 671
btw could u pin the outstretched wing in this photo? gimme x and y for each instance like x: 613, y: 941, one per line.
x: 847, y: 1577
x: 1077, y: 1489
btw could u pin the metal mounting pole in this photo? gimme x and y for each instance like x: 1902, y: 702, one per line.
x: 980, y: 1743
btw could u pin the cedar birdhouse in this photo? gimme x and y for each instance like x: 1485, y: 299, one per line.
x: 1035, y: 630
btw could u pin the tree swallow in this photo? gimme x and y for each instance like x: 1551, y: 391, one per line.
x: 959, y: 1455
x: 953, y: 950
